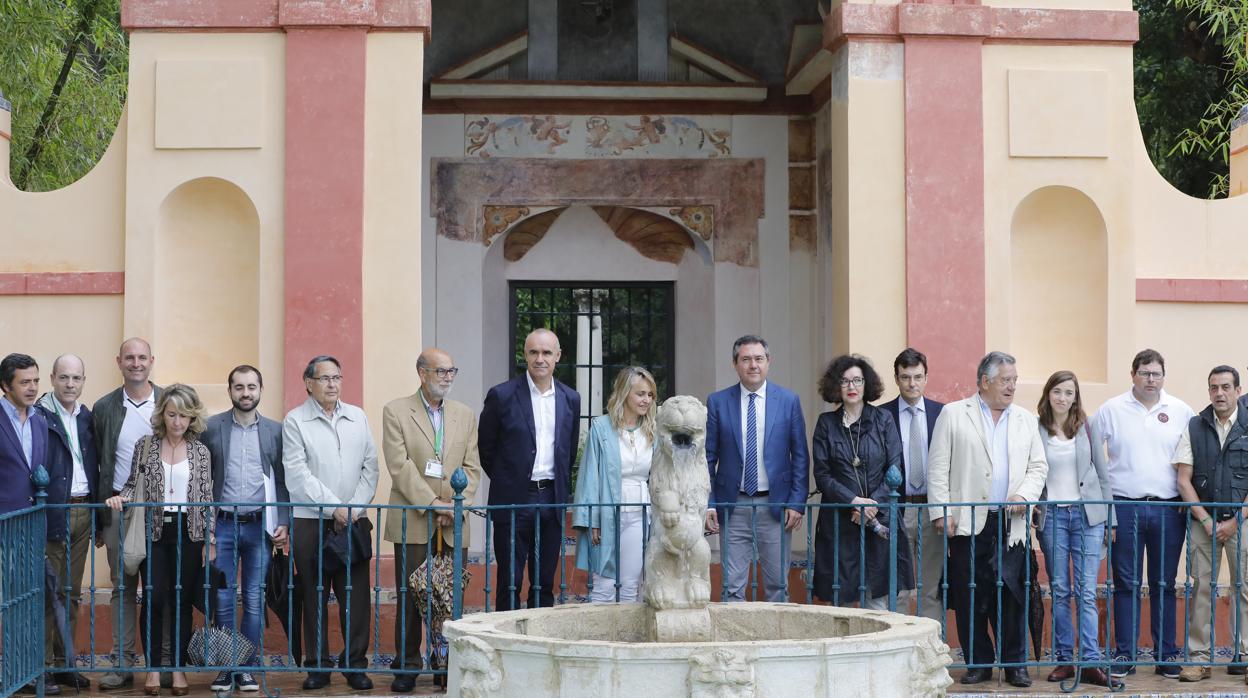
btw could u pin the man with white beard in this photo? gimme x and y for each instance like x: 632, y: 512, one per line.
x: 425, y: 438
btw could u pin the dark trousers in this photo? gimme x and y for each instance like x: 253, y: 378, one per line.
x: 167, y: 610
x: 307, y: 552
x: 541, y: 555
x: 977, y: 618
x: 1155, y: 530
x: 408, y: 618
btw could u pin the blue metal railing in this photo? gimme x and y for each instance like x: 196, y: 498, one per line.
x: 22, y: 597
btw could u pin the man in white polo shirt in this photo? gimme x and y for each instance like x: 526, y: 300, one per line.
x: 1141, y: 428
x: 119, y: 420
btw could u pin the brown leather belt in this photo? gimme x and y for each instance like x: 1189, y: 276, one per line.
x: 80, y: 500
x: 915, y: 499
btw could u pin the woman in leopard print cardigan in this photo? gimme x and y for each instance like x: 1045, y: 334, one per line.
x: 177, y: 470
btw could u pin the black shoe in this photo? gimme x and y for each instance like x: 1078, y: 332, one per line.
x: 1017, y: 676
x: 359, y: 682
x: 1236, y: 669
x: 403, y: 684
x: 30, y: 689
x: 316, y: 680
x: 976, y: 676
x: 1168, y: 671
x: 73, y: 679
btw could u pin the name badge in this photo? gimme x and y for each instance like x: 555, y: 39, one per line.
x: 433, y: 468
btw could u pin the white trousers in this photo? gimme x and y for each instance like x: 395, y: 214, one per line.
x: 629, y: 564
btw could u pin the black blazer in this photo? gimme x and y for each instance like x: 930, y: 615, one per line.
x: 507, y: 441
x: 931, y: 408
x: 217, y: 438
x: 60, y: 465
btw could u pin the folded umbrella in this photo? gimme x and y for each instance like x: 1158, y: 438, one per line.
x: 434, y: 585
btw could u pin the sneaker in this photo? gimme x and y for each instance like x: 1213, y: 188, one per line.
x: 223, y: 682
x: 113, y: 681
x: 1169, y: 671
x: 1121, y: 667
x: 247, y: 683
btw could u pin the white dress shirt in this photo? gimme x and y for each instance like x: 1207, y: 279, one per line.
x: 1141, y: 443
x: 543, y: 429
x: 904, y: 417
x: 78, y: 486
x: 138, y: 423
x: 760, y: 410
x: 998, y: 434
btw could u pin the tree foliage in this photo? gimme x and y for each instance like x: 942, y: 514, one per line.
x: 63, y: 66
x: 1189, y: 84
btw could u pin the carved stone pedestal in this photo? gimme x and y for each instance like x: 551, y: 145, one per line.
x: 681, y: 625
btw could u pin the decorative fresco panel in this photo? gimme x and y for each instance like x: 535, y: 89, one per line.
x: 643, y: 136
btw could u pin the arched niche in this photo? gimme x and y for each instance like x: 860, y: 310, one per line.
x: 207, y: 281
x: 1059, y: 294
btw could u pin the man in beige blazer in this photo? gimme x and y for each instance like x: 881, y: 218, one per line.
x: 425, y: 438
x: 987, y: 450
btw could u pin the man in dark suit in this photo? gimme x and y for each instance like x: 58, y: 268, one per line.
x: 914, y: 415
x: 24, y: 440
x: 527, y: 441
x: 756, y: 451
x: 246, y: 451
x: 23, y: 448
x: 75, y: 472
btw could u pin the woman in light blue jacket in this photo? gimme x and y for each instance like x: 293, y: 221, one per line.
x: 615, y: 470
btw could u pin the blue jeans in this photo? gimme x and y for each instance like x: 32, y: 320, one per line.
x: 251, y: 548
x: 1140, y: 533
x: 1069, y: 540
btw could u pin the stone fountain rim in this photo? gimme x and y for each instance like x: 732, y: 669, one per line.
x: 901, y: 629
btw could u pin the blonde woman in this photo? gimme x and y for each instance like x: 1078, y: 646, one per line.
x: 177, y: 471
x: 615, y: 470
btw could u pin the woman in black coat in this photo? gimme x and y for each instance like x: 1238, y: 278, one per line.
x: 853, y: 448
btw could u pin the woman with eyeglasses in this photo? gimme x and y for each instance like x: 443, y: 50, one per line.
x: 177, y: 470
x: 854, y: 446
x: 615, y: 470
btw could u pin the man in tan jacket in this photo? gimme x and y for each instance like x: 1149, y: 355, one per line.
x: 425, y: 438
x: 987, y: 451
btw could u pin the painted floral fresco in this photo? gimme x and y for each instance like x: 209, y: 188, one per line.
x: 644, y: 136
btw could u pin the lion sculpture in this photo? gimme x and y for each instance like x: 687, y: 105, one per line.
x: 678, y: 558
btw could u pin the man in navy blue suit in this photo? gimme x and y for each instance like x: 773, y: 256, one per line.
x: 914, y: 415
x: 527, y: 441
x: 23, y: 448
x: 23, y: 432
x: 756, y: 451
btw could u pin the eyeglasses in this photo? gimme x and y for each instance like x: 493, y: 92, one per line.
x: 326, y: 380
x: 1006, y: 381
x: 1150, y: 375
x: 855, y: 382
x: 443, y: 373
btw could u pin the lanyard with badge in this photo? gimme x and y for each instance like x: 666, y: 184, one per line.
x: 70, y: 434
x: 433, y: 466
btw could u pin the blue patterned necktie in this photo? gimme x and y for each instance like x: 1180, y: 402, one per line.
x: 751, y: 447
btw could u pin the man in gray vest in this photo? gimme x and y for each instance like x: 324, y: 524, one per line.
x: 1212, y: 459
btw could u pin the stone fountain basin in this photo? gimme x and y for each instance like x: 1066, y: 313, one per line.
x: 758, y: 649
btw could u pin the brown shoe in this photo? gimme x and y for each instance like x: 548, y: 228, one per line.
x: 1098, y: 677
x: 1192, y: 674
x: 1061, y: 673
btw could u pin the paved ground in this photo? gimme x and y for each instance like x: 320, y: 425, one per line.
x: 1143, y: 684
x: 286, y: 685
